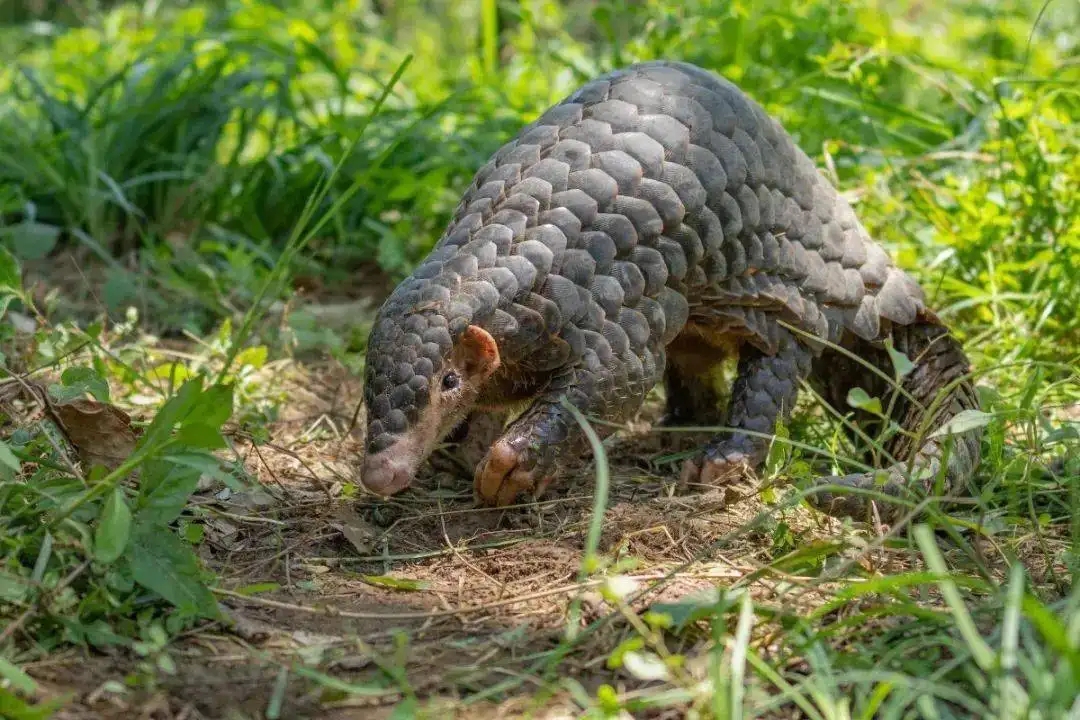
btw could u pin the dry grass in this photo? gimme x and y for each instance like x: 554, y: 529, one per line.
x: 482, y: 594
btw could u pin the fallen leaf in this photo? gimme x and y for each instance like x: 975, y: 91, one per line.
x: 964, y: 421
x: 255, y: 500
x: 101, y: 433
x: 250, y: 628
x: 394, y: 583
x: 222, y: 529
x: 645, y: 666
x: 308, y: 639
x: 353, y: 662
x: 360, y: 533
x: 22, y: 323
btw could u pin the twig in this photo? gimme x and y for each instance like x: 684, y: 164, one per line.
x: 418, y: 615
x: 41, y: 396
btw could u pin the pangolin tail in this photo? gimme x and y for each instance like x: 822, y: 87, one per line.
x: 935, y: 455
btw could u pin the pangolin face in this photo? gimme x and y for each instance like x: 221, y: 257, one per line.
x: 422, y: 377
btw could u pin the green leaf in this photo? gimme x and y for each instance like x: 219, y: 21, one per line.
x: 253, y: 356
x: 165, y: 490
x: 395, y: 583
x: 13, y: 708
x: 172, y: 412
x: 902, y: 365
x: 77, y: 382
x: 166, y: 664
x: 10, y: 273
x: 980, y: 650
x: 100, y: 634
x: 214, y: 407
x: 405, y: 710
x: 859, y: 399
x: 16, y: 676
x: 779, y: 450
x: 193, y: 533
x: 197, y: 414
x: 206, y: 464
x: 703, y: 605
x: 162, y: 562
x: 114, y: 528
x: 119, y: 288
x: 372, y: 689
x: 808, y: 555
x: 8, y: 459
x: 13, y: 588
x: 962, y: 422
x: 615, y: 658
x: 1059, y: 435
x: 200, y: 435
x: 33, y: 240
x: 41, y: 564
x: 201, y: 428
x: 257, y: 588
x: 1053, y: 631
x: 10, y: 279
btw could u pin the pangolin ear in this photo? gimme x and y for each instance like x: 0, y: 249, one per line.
x: 476, y: 353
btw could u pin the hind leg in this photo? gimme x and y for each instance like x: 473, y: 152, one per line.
x: 765, y: 391
x: 694, y: 398
x: 691, y: 395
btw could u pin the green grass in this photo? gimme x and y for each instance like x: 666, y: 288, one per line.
x: 167, y: 168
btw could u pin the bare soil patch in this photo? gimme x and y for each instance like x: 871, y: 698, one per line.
x: 479, y: 592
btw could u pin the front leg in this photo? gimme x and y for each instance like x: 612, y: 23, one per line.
x: 765, y: 390
x: 530, y: 455
x: 478, y: 432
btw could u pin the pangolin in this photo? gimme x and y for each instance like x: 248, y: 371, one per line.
x: 651, y: 224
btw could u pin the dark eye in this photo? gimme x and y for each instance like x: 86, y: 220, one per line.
x: 450, y: 381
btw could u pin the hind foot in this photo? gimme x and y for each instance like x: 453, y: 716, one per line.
x: 730, y: 461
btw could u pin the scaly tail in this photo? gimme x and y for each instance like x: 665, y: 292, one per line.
x: 940, y: 366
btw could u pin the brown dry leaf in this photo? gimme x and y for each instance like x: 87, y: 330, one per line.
x: 101, y: 433
x: 250, y: 628
x: 361, y: 534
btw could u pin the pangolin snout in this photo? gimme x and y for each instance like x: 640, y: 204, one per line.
x: 387, y: 472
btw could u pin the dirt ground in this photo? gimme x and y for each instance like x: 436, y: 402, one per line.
x: 473, y: 595
x: 446, y: 599
x: 427, y: 596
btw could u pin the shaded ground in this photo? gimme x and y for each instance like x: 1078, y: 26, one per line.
x: 426, y: 595
x: 487, y: 590
x: 481, y: 593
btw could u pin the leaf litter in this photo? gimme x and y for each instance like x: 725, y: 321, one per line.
x: 101, y: 433
x: 354, y: 597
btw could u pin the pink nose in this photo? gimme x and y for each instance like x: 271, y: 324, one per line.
x: 386, y: 472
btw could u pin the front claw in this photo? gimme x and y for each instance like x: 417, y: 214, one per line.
x: 504, y: 474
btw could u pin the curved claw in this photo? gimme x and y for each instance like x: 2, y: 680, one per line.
x: 720, y: 468
x: 504, y: 474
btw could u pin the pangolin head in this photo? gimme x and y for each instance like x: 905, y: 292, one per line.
x: 426, y: 364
